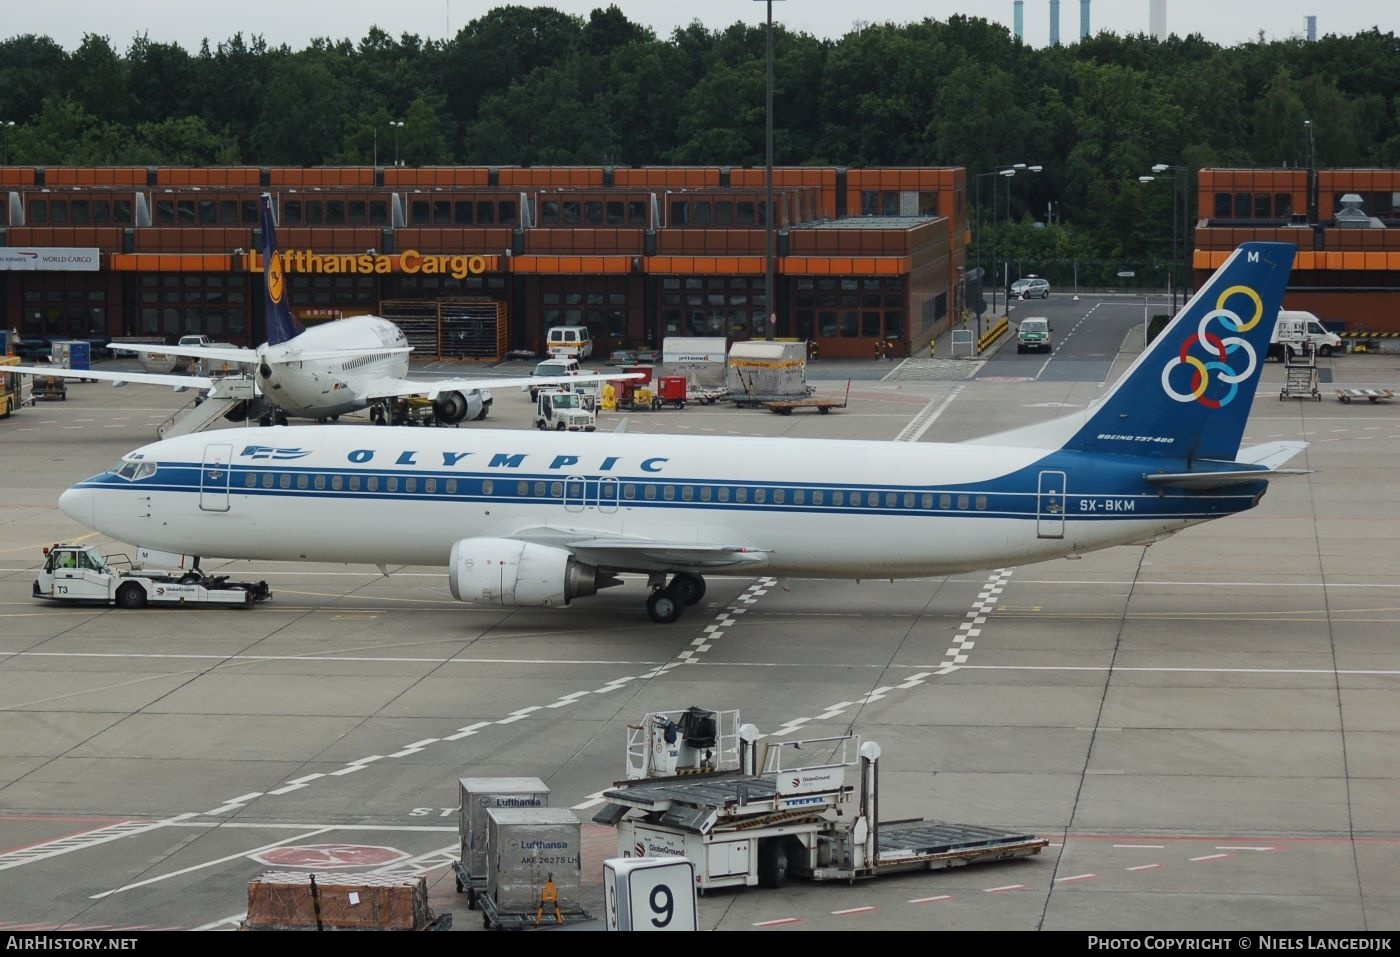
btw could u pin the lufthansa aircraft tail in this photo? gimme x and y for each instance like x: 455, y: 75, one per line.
x: 280, y: 324
x: 1188, y: 394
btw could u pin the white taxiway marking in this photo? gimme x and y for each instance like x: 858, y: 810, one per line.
x: 1209, y: 857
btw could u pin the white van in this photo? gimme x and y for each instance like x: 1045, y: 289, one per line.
x: 1295, y: 328
x: 570, y: 341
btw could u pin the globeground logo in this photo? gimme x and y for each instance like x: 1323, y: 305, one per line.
x: 1214, y: 380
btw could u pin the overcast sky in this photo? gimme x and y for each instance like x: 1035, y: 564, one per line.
x: 295, y: 22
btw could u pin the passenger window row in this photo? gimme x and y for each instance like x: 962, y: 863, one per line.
x: 630, y: 491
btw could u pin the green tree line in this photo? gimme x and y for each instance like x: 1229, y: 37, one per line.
x: 534, y: 86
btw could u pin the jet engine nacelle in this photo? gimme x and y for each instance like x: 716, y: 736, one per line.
x: 453, y: 407
x: 509, y: 573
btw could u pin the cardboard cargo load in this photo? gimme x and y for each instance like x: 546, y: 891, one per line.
x: 283, y: 900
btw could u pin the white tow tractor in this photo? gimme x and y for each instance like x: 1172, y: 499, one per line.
x: 566, y: 411
x: 79, y: 574
x: 695, y: 790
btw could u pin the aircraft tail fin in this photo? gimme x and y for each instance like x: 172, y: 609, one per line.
x: 281, y: 325
x: 1188, y: 394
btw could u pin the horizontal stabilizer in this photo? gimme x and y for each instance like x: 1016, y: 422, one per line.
x: 215, y: 353
x: 1271, y: 454
x: 1266, y: 458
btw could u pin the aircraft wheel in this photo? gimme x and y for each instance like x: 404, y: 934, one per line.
x: 688, y: 588
x: 664, y: 606
x: 131, y: 595
x: 189, y: 578
x: 280, y: 418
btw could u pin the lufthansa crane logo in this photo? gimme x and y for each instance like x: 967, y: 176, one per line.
x: 275, y: 281
x: 1218, y: 337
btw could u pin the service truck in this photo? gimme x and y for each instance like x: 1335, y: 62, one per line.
x: 79, y: 574
x: 565, y: 411
x: 1297, y: 330
x: 699, y: 788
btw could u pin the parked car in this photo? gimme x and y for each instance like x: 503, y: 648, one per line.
x: 552, y: 367
x: 1031, y: 288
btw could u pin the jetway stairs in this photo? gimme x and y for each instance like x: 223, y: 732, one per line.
x: 233, y: 397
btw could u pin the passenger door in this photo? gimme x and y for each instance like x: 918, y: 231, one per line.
x: 214, y: 478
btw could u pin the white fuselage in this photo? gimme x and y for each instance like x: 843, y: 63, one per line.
x: 823, y: 508
x: 298, y: 377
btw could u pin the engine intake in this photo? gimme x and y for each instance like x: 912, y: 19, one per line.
x: 453, y: 407
x: 514, y: 574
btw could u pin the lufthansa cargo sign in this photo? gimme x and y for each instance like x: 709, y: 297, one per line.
x: 410, y: 262
x: 49, y: 258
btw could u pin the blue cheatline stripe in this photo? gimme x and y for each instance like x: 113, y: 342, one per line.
x: 1010, y: 503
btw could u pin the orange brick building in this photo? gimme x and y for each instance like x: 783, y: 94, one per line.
x: 637, y: 254
x: 1345, y: 223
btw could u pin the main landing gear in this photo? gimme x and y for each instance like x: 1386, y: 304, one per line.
x: 667, y: 601
x: 273, y: 417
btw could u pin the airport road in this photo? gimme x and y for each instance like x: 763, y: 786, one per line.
x: 1205, y: 729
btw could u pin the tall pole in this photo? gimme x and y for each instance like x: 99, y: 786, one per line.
x: 1176, y: 183
x: 981, y: 277
x: 768, y: 298
x: 996, y: 280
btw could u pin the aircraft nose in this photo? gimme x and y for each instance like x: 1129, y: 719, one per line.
x: 76, y: 503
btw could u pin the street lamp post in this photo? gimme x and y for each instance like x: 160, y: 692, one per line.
x: 769, y: 301
x: 1178, y: 187
x: 7, y: 125
x: 1007, y: 171
x: 397, y: 125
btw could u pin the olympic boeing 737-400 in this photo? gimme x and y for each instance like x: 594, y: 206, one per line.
x: 525, y: 518
x: 328, y: 370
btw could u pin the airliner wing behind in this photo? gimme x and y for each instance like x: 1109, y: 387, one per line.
x: 217, y: 353
x: 385, y: 387
x: 177, y: 382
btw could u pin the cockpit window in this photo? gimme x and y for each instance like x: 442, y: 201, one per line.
x: 133, y: 470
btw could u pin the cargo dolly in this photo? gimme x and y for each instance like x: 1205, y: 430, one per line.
x: 547, y: 914
x: 822, y: 404
x: 1370, y: 395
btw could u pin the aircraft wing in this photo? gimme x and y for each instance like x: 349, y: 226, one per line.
x: 178, y: 382
x: 1268, y: 456
x: 639, y: 553
x: 217, y: 353
x: 387, y: 387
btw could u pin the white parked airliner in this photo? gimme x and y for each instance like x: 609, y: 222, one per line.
x: 328, y: 370
x: 525, y: 518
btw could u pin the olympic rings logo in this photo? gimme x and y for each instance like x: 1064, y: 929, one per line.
x: 1217, y: 334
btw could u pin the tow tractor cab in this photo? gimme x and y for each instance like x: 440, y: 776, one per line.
x: 79, y: 574
x: 566, y: 410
